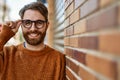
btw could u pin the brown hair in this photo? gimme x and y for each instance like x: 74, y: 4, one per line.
x: 35, y: 6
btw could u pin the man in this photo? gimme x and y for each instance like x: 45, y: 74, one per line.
x: 31, y: 60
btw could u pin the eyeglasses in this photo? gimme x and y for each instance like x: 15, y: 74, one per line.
x: 28, y: 23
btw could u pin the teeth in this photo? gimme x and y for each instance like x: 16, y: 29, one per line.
x: 33, y: 34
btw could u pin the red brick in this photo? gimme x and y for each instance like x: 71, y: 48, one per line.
x: 80, y: 27
x: 104, y: 3
x: 66, y: 41
x: 70, y: 75
x: 72, y: 65
x: 110, y: 43
x: 65, y: 32
x: 70, y: 9
x: 67, y: 62
x: 85, y: 75
x: 66, y: 4
x: 79, y: 56
x: 74, y: 42
x: 103, y: 66
x: 69, y: 52
x: 104, y: 20
x: 70, y: 1
x: 69, y: 30
x: 118, y: 71
x: 78, y: 3
x: 67, y: 22
x: 75, y: 16
x: 89, y: 7
x: 90, y: 42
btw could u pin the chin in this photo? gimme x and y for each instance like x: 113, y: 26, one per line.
x: 34, y: 42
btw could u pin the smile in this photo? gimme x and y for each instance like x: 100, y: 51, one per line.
x: 33, y: 35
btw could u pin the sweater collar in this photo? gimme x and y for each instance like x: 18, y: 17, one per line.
x: 47, y: 49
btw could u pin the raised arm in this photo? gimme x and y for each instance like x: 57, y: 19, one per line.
x: 7, y: 31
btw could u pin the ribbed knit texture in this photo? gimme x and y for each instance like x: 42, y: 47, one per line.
x: 19, y: 63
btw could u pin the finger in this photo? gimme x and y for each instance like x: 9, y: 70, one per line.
x: 15, y: 24
x: 9, y: 24
x: 12, y: 24
x: 18, y: 23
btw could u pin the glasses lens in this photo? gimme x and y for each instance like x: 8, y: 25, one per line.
x: 39, y: 23
x: 26, y: 23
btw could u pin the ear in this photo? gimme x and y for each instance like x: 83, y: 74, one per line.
x: 47, y: 24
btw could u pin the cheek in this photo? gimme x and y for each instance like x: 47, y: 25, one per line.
x: 24, y: 30
x: 43, y: 30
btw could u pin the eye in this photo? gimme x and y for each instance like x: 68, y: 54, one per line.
x: 26, y: 22
x: 39, y: 22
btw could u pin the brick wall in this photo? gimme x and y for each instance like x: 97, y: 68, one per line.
x: 92, y: 39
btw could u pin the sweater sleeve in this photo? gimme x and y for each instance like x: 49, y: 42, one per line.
x: 60, y: 68
x: 63, y: 65
x: 5, y: 34
x: 1, y: 61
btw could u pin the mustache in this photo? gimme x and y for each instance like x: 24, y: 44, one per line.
x: 36, y: 32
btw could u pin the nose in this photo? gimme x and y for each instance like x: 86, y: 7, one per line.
x: 32, y: 27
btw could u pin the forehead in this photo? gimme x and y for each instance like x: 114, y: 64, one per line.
x: 33, y: 15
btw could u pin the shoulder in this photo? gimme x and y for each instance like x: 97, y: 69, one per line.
x: 55, y: 53
x: 10, y: 49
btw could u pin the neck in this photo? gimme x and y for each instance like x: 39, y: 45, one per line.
x: 38, y: 47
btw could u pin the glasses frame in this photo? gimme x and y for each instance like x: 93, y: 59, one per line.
x: 35, y: 21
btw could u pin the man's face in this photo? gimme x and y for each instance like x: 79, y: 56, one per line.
x: 33, y: 35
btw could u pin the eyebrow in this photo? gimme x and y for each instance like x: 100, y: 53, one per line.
x: 34, y: 20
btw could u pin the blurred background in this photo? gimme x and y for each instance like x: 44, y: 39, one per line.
x: 86, y: 31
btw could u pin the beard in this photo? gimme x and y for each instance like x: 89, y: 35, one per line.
x: 34, y: 41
